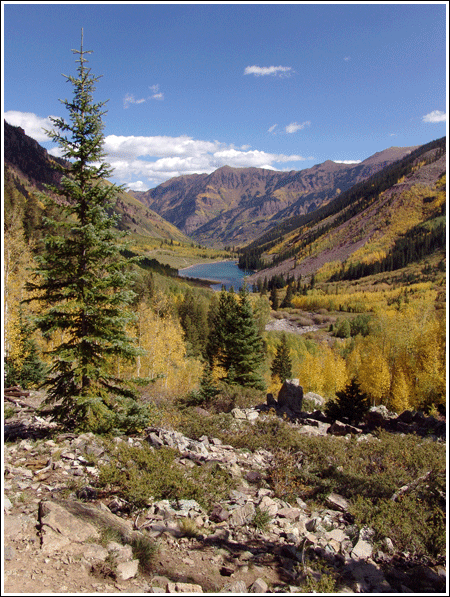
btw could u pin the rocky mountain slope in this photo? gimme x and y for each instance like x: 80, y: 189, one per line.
x: 29, y: 167
x: 232, y: 206
x: 366, y: 224
x: 62, y: 535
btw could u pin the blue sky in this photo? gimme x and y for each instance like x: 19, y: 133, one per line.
x: 192, y: 87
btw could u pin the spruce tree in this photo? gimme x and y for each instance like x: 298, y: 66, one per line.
x: 274, y: 298
x: 246, y: 349
x: 350, y: 404
x: 234, y: 342
x: 223, y: 329
x: 282, y: 363
x: 82, y: 280
x: 287, y: 301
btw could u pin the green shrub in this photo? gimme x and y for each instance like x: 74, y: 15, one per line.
x: 369, y: 473
x: 342, y: 328
x: 140, y: 473
x: 415, y: 522
x: 193, y: 425
x: 325, y: 584
x: 222, y: 397
x: 261, y: 519
x: 360, y: 324
x: 8, y: 411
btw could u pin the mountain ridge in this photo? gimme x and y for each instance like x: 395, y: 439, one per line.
x: 232, y: 206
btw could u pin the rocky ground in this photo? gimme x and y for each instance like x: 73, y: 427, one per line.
x: 55, y: 520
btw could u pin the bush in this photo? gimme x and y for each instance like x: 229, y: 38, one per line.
x: 342, y: 328
x: 261, y: 519
x: 415, y: 522
x: 139, y: 474
x: 360, y: 324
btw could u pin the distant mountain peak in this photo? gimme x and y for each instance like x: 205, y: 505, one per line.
x: 236, y: 205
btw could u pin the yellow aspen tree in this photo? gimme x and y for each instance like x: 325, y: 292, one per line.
x: 400, y: 391
x: 309, y: 373
x: 16, y: 258
x: 23, y: 362
x: 334, y: 371
x: 161, y: 337
x: 430, y: 382
x: 374, y: 374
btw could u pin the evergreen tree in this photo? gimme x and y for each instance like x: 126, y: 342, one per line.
x: 282, y: 363
x: 287, y: 301
x: 274, y: 298
x: 192, y: 314
x: 82, y: 280
x: 246, y: 350
x: 223, y: 329
x: 350, y: 404
x: 208, y: 389
x: 234, y: 342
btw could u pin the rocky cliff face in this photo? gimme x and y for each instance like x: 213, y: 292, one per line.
x: 236, y: 205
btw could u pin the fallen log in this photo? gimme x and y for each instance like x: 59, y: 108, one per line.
x: 19, y: 403
x: 410, y: 486
x: 16, y: 391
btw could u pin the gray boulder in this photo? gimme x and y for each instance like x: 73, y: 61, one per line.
x: 291, y: 396
x: 314, y: 399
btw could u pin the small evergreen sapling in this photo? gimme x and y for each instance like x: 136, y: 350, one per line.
x: 350, y: 405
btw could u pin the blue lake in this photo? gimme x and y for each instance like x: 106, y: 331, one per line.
x: 226, y: 273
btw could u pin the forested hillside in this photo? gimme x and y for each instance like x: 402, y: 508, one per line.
x: 375, y: 253
x: 370, y: 228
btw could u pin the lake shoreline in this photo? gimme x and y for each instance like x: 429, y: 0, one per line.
x: 207, y: 263
x: 223, y: 273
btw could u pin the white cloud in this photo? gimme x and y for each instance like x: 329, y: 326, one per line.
x: 157, y: 94
x: 435, y: 116
x: 158, y: 146
x: 143, y: 162
x: 295, y: 126
x: 274, y: 71
x: 138, y: 186
x: 57, y: 152
x: 32, y: 125
x: 130, y: 99
x: 347, y: 161
x: 272, y: 129
x: 156, y: 159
